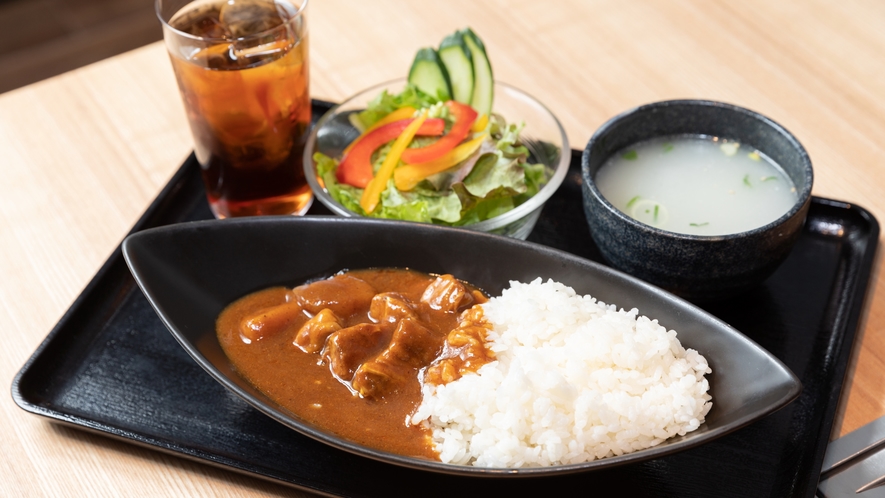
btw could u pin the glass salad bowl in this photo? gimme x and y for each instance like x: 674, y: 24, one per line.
x: 542, y: 135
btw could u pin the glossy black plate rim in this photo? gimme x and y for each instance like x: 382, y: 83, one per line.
x: 790, y: 393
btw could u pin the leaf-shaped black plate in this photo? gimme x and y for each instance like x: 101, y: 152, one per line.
x: 190, y: 272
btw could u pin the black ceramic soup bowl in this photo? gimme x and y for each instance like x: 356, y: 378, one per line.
x: 699, y: 268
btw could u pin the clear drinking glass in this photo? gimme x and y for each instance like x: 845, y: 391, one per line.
x: 242, y: 69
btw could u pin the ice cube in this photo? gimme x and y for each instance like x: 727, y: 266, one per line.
x: 248, y: 17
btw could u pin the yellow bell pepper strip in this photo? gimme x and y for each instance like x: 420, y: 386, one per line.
x: 372, y: 194
x: 356, y: 167
x: 401, y: 113
x: 464, y: 116
x: 407, y: 176
x: 480, y: 123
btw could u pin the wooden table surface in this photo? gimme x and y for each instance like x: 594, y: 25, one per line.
x: 83, y: 154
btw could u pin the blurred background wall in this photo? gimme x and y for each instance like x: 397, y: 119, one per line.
x: 43, y: 38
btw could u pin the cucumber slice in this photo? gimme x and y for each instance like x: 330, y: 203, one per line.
x: 483, y: 82
x: 456, y: 58
x: 429, y: 75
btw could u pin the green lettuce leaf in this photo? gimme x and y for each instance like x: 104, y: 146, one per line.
x: 395, y: 205
x: 495, y: 171
x: 419, y: 205
x: 507, y: 144
x: 385, y: 103
x: 535, y: 178
x: 476, y: 209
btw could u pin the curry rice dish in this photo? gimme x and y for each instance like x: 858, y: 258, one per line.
x: 434, y: 369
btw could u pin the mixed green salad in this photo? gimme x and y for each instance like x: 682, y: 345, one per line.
x: 435, y: 152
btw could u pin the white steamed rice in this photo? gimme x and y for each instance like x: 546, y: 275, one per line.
x: 574, y: 380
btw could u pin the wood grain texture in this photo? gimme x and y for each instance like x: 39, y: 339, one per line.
x: 43, y: 38
x: 83, y: 154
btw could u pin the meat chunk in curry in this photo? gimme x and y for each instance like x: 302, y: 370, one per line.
x: 343, y: 294
x: 390, y: 308
x: 311, y: 337
x: 446, y: 293
x: 413, y: 346
x: 272, y: 320
x: 349, y: 348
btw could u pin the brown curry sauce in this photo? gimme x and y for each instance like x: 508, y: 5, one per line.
x: 347, y: 354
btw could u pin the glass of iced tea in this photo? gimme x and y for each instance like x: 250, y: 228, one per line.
x: 242, y: 70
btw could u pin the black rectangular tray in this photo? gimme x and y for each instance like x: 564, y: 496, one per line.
x: 110, y: 366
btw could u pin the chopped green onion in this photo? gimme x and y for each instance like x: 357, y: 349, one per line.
x: 747, y: 181
x: 630, y: 155
x: 668, y: 147
x: 700, y: 224
x: 656, y: 213
x: 767, y: 178
x: 632, y: 201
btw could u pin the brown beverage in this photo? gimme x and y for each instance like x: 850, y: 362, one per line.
x: 244, y: 85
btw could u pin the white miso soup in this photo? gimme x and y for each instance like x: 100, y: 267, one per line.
x: 696, y: 185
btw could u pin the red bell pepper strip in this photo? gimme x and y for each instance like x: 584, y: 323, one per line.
x: 464, y: 116
x: 356, y: 167
x: 401, y: 113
